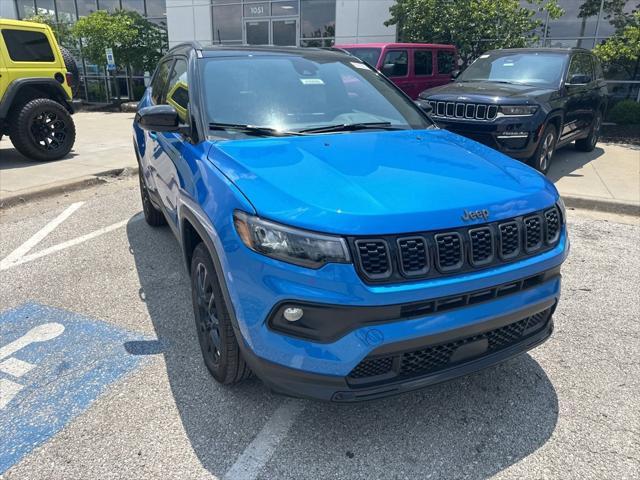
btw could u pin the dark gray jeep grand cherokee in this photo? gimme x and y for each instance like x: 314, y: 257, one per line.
x: 525, y: 102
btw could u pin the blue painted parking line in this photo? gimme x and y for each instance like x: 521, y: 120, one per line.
x: 53, y: 365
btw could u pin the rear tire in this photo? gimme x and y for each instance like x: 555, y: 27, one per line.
x: 152, y: 215
x: 589, y: 144
x: 218, y: 343
x: 42, y: 130
x: 541, y: 159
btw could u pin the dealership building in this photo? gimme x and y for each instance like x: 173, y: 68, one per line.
x: 307, y: 23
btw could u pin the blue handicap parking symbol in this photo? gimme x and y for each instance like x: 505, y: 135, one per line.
x: 53, y: 365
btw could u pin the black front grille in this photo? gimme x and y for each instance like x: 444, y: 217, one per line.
x: 414, y: 259
x: 391, y: 258
x: 481, y: 245
x: 475, y: 111
x: 374, y: 257
x: 532, y: 233
x: 372, y: 368
x: 433, y: 358
x: 552, y: 219
x: 449, y: 254
x: 509, y: 240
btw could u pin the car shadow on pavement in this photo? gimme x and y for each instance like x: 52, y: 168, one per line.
x: 567, y: 160
x: 472, y: 427
x: 11, y: 159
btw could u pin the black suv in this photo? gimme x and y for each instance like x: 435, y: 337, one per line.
x: 525, y: 102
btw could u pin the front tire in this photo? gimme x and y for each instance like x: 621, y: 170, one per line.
x: 218, y: 343
x: 541, y: 159
x: 152, y: 215
x: 589, y: 144
x: 42, y: 130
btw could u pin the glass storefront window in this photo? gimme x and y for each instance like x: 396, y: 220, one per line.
x: 26, y: 8
x: 45, y: 7
x: 318, y: 18
x: 279, y: 9
x: 66, y: 11
x: 109, y: 5
x: 227, y: 23
x: 86, y: 7
x: 579, y: 20
x: 252, y: 10
x: 156, y: 8
x: 135, y: 5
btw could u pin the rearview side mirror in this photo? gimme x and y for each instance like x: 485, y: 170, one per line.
x: 158, y: 118
x: 388, y: 68
x: 424, y: 105
x: 455, y: 74
x: 579, y: 80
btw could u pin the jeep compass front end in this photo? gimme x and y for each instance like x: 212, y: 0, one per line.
x: 340, y: 246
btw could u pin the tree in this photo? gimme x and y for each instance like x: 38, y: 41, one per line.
x: 137, y: 43
x: 60, y: 30
x: 474, y: 26
x: 623, y: 49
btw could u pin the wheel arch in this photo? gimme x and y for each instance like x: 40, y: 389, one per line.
x: 192, y: 232
x: 24, y: 90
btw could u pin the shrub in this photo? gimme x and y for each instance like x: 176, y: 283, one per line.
x: 625, y: 112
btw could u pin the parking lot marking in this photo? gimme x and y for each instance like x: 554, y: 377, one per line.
x: 250, y: 463
x: 15, y: 367
x: 37, y: 237
x: 68, y: 243
x: 8, y: 390
x: 75, y: 359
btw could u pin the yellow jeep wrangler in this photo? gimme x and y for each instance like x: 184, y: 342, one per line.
x: 35, y: 91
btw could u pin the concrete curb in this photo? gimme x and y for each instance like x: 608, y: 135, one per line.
x: 602, y: 205
x: 64, y: 186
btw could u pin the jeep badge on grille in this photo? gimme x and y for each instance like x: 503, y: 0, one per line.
x: 475, y: 215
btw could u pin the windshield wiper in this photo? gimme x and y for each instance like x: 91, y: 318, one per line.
x: 351, y: 127
x: 252, y: 129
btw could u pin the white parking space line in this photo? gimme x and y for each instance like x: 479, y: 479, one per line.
x: 36, y: 238
x: 8, y: 390
x: 15, y: 367
x: 250, y: 463
x: 15, y: 261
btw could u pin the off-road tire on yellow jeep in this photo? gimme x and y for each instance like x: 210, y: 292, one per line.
x: 72, y: 68
x: 42, y: 129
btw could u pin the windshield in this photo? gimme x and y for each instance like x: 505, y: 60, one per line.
x: 292, y: 93
x: 530, y: 68
x: 369, y: 55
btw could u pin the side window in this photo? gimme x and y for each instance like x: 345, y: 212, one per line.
x: 159, y: 81
x: 423, y: 62
x: 396, y: 64
x: 446, y: 62
x: 27, y: 46
x: 581, y: 69
x: 178, y: 88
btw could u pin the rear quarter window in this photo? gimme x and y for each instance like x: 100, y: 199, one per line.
x: 27, y: 46
x: 446, y: 62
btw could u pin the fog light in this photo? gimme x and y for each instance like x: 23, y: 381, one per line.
x: 293, y: 314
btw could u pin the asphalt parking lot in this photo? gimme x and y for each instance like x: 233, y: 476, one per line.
x: 122, y: 392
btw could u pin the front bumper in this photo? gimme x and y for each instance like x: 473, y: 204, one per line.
x: 517, y: 137
x: 320, y: 367
x: 455, y: 353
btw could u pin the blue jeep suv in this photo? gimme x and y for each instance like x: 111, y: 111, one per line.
x: 341, y: 246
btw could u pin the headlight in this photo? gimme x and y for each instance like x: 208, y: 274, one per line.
x: 518, y: 110
x: 292, y: 245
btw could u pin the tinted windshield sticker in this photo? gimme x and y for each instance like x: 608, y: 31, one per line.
x: 484, y: 56
x: 360, y: 65
x: 312, y: 81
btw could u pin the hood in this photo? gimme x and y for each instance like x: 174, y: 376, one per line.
x: 485, y: 91
x: 379, y: 182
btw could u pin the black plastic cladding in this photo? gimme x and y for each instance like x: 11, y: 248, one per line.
x: 508, y: 241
